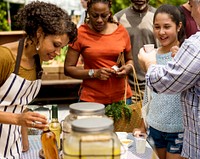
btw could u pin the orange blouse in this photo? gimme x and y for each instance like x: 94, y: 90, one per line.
x: 102, y: 50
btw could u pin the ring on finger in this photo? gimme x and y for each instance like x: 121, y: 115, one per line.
x: 33, y: 124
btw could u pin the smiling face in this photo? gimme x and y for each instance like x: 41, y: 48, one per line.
x: 139, y: 5
x: 165, y: 30
x: 50, y: 46
x: 98, y: 16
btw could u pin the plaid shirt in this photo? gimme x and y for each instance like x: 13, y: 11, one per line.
x: 183, y: 75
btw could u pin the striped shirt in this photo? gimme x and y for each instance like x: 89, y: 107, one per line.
x: 15, y: 94
x: 183, y: 76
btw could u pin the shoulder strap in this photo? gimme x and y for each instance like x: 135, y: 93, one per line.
x: 19, y: 55
x: 39, y: 70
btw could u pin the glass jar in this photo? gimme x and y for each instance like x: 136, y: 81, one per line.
x: 92, y: 138
x: 81, y: 110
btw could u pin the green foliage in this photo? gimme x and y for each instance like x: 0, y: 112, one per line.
x: 117, y: 5
x: 58, y: 59
x: 157, y: 3
x: 3, y: 17
x: 61, y: 57
x: 116, y: 110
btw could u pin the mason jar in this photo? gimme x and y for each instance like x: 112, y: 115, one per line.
x: 92, y: 138
x: 79, y: 111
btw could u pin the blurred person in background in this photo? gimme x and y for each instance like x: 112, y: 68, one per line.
x: 138, y: 20
x: 188, y: 21
x: 82, y: 17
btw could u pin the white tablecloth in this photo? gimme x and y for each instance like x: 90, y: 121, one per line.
x: 35, y: 146
x: 132, y: 154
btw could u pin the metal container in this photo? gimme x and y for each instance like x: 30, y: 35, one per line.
x: 92, y: 138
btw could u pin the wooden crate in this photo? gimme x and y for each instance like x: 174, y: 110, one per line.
x: 50, y: 72
x: 55, y: 72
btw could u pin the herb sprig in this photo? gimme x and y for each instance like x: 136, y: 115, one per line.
x: 116, y: 110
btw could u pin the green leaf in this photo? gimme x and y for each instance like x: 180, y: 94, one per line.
x: 116, y: 110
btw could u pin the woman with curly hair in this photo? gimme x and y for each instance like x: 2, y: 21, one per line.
x: 100, y: 41
x: 48, y: 29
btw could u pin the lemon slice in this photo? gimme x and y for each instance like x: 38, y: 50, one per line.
x: 126, y: 142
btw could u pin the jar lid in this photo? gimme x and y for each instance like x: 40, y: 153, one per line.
x: 87, y: 108
x: 92, y: 124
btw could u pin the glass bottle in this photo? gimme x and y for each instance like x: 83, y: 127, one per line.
x: 49, y: 144
x: 55, y: 126
x: 92, y: 138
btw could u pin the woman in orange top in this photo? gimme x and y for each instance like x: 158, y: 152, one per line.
x: 100, y: 41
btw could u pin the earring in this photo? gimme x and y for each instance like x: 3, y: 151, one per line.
x: 37, y: 47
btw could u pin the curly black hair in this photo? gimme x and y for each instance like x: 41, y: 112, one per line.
x: 91, y: 2
x: 52, y: 19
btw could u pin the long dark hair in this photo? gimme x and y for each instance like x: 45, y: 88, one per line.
x: 175, y: 15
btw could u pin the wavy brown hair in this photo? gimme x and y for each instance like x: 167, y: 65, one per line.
x: 52, y: 19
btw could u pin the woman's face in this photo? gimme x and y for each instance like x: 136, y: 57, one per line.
x: 165, y: 30
x: 98, y: 16
x: 50, y: 46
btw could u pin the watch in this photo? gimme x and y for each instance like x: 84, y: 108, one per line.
x: 91, y: 73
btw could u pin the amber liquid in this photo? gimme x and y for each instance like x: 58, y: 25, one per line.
x: 55, y: 127
x: 49, y: 145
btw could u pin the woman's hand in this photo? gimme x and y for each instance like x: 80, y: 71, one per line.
x: 174, y: 50
x: 123, y: 71
x: 32, y: 119
x: 103, y: 73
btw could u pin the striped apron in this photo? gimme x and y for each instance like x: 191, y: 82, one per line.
x: 15, y: 94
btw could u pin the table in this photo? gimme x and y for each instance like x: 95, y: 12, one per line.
x: 131, y: 154
x: 35, y: 146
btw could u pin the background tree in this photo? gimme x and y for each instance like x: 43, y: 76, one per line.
x: 119, y: 4
x: 3, y: 17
